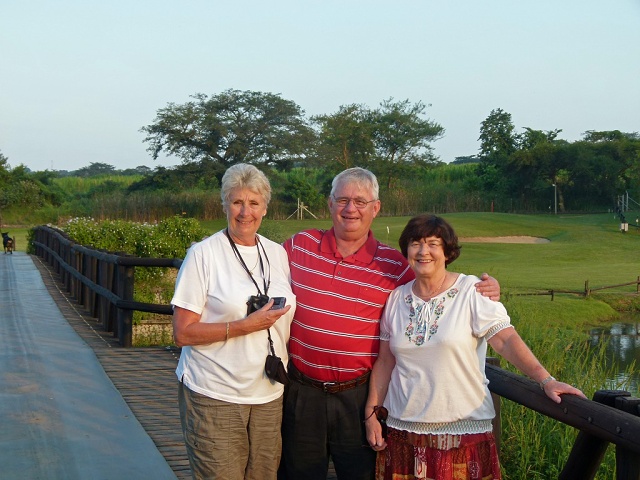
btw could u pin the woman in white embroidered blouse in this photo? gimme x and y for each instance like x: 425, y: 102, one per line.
x: 428, y: 384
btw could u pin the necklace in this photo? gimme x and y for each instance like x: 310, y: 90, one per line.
x: 254, y: 267
x: 431, y: 293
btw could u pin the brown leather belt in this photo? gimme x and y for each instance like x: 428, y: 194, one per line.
x: 327, y: 387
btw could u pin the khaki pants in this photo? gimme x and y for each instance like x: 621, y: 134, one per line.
x: 229, y: 441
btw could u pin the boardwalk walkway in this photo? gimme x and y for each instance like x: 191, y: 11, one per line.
x: 62, y: 416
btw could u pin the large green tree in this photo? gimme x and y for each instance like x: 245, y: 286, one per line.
x: 232, y: 127
x: 18, y: 187
x: 387, y: 139
x: 344, y: 137
x: 497, y: 135
x: 497, y: 143
x: 402, y: 137
x: 5, y: 170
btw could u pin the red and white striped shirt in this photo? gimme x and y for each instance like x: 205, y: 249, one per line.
x: 335, y: 334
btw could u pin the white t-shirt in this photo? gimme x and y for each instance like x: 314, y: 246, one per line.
x: 438, y: 384
x: 213, y: 283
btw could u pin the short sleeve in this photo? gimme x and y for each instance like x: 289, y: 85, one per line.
x: 390, y: 314
x: 488, y: 317
x: 191, y: 283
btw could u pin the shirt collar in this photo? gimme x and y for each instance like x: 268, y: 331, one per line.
x: 365, y: 253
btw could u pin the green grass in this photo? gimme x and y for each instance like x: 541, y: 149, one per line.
x: 581, y: 248
x: 82, y: 185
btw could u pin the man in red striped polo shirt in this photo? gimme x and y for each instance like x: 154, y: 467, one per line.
x: 342, y: 278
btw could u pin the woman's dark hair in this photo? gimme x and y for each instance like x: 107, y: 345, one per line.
x: 423, y: 226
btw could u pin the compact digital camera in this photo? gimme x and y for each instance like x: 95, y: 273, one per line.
x: 256, y: 302
x: 278, y: 303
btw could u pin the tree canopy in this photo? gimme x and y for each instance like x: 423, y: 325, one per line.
x: 385, y: 139
x: 515, y: 170
x: 526, y: 166
x: 231, y: 127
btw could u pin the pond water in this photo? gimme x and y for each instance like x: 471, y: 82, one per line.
x: 623, y: 350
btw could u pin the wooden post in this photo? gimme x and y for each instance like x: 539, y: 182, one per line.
x: 113, y: 287
x: 497, y: 421
x: 75, y: 283
x: 588, y: 450
x: 85, y: 291
x: 627, y: 462
x: 92, y: 295
x: 104, y: 302
x: 66, y: 255
x: 125, y: 316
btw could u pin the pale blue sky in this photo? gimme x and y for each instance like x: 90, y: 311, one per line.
x: 78, y: 79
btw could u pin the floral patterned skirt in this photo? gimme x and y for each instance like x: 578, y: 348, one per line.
x: 410, y: 456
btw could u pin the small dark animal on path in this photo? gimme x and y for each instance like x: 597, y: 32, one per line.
x: 7, y: 243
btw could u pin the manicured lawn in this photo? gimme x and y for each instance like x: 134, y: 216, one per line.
x: 581, y: 248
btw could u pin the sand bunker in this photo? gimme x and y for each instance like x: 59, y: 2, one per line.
x: 513, y: 239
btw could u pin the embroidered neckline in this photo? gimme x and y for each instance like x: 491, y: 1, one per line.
x: 424, y: 315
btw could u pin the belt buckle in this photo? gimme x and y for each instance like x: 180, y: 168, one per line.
x: 327, y: 385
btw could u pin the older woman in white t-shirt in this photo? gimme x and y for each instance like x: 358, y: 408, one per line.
x: 429, y: 380
x: 231, y: 411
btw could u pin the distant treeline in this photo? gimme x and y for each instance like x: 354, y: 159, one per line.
x: 528, y: 172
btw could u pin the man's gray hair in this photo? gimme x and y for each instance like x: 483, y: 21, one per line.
x: 360, y: 176
x: 243, y: 175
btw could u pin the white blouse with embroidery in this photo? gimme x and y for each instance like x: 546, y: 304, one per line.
x: 438, y: 385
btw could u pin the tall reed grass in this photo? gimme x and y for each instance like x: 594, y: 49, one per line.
x: 535, y: 446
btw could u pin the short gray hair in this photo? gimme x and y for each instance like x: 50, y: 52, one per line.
x: 360, y: 176
x: 243, y: 175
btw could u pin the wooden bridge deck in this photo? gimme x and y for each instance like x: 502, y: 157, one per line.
x: 144, y: 376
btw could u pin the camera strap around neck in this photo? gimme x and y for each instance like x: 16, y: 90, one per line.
x: 266, y: 282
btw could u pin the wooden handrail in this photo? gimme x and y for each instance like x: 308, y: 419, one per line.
x: 84, y: 269
x: 615, y: 426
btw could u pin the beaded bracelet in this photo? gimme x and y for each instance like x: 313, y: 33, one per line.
x: 226, y: 337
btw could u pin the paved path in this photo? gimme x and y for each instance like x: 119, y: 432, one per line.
x: 62, y: 417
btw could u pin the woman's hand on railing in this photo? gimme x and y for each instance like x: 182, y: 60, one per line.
x: 553, y: 389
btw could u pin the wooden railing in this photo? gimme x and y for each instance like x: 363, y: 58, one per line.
x: 103, y: 283
x: 611, y: 417
x: 100, y: 281
x: 586, y: 292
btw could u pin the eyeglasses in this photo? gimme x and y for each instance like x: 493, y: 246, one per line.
x: 359, y: 203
